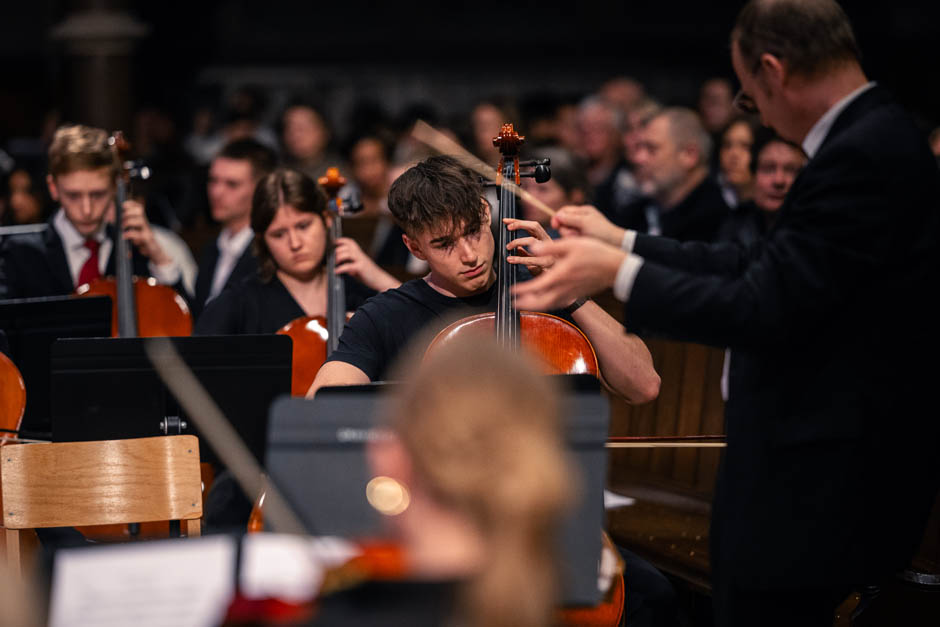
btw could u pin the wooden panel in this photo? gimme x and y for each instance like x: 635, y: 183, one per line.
x: 689, y: 403
x: 104, y: 482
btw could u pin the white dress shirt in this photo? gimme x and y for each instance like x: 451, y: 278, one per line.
x: 231, y: 247
x: 76, y: 253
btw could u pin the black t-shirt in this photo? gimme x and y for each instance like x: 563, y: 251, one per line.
x: 253, y: 306
x: 386, y: 323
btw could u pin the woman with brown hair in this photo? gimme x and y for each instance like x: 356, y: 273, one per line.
x: 291, y: 224
x: 477, y: 451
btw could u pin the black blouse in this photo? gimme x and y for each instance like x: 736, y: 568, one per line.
x: 254, y: 306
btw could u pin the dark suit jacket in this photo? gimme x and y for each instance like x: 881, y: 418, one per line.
x: 246, y: 265
x: 697, y: 217
x: 34, y: 264
x: 832, y: 458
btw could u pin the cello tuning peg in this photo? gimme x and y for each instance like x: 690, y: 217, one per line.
x: 542, y: 173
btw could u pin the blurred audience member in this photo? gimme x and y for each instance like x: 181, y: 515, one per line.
x: 568, y: 186
x: 242, y: 118
x: 623, y: 92
x: 370, y: 167
x: 734, y: 161
x: 368, y: 164
x: 775, y: 163
x: 155, y: 141
x: 200, y: 144
x: 613, y: 185
x: 636, y: 118
x: 715, y: 104
x: 566, y: 126
x: 23, y: 203
x: 306, y: 137
x: 475, y: 452
x: 232, y: 178
x: 486, y: 119
x: 672, y: 168
x: 935, y: 143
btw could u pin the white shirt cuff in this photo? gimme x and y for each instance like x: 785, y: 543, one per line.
x: 629, y: 239
x: 166, y: 274
x: 626, y: 275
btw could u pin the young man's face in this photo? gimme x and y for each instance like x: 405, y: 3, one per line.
x: 85, y: 195
x: 461, y: 261
x: 231, y: 185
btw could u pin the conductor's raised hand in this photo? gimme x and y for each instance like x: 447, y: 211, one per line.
x: 583, y: 267
x: 520, y: 245
x: 586, y: 221
x: 137, y: 230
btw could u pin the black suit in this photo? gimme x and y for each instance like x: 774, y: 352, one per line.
x: 34, y: 264
x: 697, y: 217
x: 831, y: 465
x: 246, y: 265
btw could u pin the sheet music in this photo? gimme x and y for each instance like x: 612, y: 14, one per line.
x: 185, y: 583
x: 288, y: 567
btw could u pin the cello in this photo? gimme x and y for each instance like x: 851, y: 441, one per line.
x: 315, y: 337
x: 142, y: 308
x: 12, y: 399
x: 559, y: 346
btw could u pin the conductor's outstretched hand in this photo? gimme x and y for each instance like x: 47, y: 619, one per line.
x: 583, y: 267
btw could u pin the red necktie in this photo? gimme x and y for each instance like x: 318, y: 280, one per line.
x: 90, y: 271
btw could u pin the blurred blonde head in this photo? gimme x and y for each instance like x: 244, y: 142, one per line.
x: 480, y: 428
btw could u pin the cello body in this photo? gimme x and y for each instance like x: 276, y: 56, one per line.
x: 559, y: 346
x: 160, y: 311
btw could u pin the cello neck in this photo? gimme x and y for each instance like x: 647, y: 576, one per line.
x: 124, y: 279
x: 336, y: 290
x: 507, y: 316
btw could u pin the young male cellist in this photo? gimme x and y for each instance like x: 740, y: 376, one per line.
x: 77, y: 245
x: 439, y: 205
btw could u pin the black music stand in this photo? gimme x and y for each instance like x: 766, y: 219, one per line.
x: 105, y: 389
x: 31, y: 326
x: 316, y: 456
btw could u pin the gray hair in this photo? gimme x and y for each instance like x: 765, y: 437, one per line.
x: 685, y: 128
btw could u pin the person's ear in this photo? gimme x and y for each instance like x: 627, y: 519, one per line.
x: 689, y: 156
x: 53, y: 188
x: 773, y: 71
x: 413, y: 247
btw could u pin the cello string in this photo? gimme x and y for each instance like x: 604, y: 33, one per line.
x: 221, y: 435
x: 429, y: 136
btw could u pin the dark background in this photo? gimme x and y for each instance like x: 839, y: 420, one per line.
x: 450, y: 54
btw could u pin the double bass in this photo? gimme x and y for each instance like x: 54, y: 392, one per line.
x: 316, y: 337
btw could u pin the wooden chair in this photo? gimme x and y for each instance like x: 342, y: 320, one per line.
x: 69, y: 484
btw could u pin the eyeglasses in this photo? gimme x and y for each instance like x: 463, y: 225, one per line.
x: 744, y: 103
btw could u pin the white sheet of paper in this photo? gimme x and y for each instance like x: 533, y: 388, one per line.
x: 185, y: 583
x: 287, y: 567
x: 613, y: 500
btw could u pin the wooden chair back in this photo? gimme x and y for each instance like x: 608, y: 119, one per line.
x: 67, y: 484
